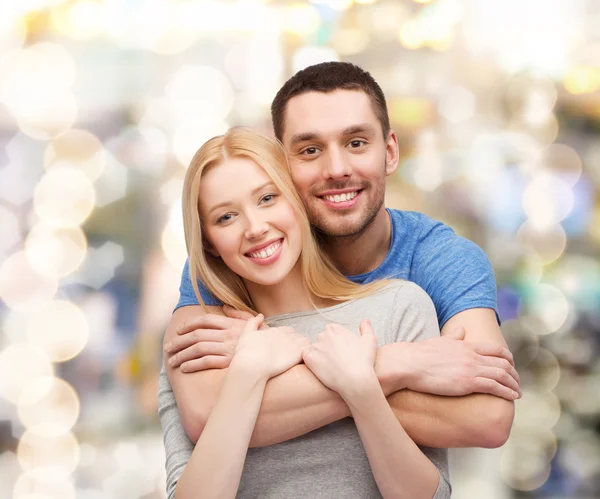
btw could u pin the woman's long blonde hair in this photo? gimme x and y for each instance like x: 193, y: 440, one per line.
x: 320, y: 276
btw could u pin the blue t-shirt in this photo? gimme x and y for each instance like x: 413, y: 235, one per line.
x: 454, y: 271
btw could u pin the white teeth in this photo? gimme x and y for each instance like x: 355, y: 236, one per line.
x: 266, y: 252
x: 339, y: 198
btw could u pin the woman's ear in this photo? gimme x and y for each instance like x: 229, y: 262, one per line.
x: 207, y: 245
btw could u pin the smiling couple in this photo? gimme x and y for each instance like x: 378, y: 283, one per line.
x: 305, y: 359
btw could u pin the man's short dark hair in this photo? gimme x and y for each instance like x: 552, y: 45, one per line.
x: 328, y: 77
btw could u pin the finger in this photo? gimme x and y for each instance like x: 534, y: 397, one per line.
x: 501, y: 376
x: 487, y: 385
x: 493, y: 350
x: 458, y: 333
x: 234, y: 313
x: 366, y: 329
x: 197, y: 351
x: 186, y: 340
x: 254, y: 323
x: 207, y: 362
x: 206, y: 321
x: 502, y: 364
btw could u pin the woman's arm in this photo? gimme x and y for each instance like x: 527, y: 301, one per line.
x: 216, y: 464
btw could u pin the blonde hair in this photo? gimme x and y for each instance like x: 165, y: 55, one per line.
x: 319, y: 274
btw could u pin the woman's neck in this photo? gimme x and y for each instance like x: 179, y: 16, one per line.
x: 286, y: 297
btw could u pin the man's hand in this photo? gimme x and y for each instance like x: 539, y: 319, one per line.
x: 449, y: 366
x: 205, y: 342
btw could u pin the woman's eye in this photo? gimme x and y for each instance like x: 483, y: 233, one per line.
x: 268, y: 198
x: 225, y: 218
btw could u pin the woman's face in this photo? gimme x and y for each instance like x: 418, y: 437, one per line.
x: 249, y: 224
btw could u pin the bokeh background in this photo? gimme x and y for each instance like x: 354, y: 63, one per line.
x: 102, y: 104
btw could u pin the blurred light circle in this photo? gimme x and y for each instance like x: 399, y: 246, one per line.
x: 582, y: 80
x: 49, y: 119
x: 19, y: 364
x: 55, y: 252
x: 36, y: 483
x: 23, y: 70
x: 551, y: 306
x: 50, y: 450
x: 21, y: 287
x: 187, y: 139
x: 81, y: 20
x: 13, y: 33
x: 457, y: 104
x: 537, y: 410
x: 173, y: 238
x: 78, y: 148
x: 10, y: 231
x: 48, y: 400
x: 547, y: 200
x: 548, y: 243
x: 200, y: 94
x: 526, y: 456
x: 410, y: 35
x: 350, y: 41
x: 300, y: 19
x: 532, y: 98
x: 60, y: 330
x: 310, y: 54
x: 538, y: 368
x: 580, y: 455
x: 563, y: 161
x: 64, y: 197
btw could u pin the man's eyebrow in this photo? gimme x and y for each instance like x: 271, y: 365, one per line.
x: 254, y: 191
x: 303, y: 137
x: 361, y: 128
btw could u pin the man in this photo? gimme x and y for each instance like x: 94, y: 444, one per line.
x: 454, y: 391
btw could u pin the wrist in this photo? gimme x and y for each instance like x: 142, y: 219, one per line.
x: 247, y: 368
x: 393, y: 367
x: 361, y: 390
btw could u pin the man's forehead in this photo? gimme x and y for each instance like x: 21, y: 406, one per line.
x: 327, y: 113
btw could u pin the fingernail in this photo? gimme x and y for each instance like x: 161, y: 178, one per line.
x: 168, y: 346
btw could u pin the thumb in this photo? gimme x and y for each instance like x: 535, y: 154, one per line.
x: 458, y: 333
x: 366, y: 329
x: 234, y: 313
x: 254, y: 322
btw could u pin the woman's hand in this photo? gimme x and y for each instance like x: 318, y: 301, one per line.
x: 269, y: 351
x: 342, y: 360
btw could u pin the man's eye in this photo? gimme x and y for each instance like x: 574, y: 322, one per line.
x: 310, y: 151
x: 357, y: 143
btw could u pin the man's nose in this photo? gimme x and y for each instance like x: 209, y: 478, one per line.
x: 336, y: 166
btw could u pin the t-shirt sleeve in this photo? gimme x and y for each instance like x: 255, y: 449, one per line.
x: 178, y: 447
x: 186, y: 291
x: 414, y: 314
x: 454, y: 272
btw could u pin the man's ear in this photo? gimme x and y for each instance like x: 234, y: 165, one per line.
x: 392, y: 153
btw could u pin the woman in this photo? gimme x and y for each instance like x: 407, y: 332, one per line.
x: 249, y: 241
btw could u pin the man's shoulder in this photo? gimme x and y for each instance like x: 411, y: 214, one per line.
x: 417, y: 224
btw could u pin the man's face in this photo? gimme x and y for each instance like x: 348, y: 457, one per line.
x: 338, y: 158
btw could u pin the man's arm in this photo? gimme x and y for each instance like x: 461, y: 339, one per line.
x: 296, y: 402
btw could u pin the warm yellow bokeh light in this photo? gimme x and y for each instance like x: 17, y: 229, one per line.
x: 582, y: 80
x: 22, y: 287
x: 551, y: 307
x: 549, y: 244
x: 37, y: 483
x: 300, y: 19
x: 50, y: 450
x: 21, y: 363
x: 547, y: 200
x: 64, y: 197
x: 49, y: 119
x: 55, y: 252
x: 188, y: 138
x: 60, y: 329
x: 48, y: 400
x: 563, y: 161
x: 79, y: 149
x: 81, y: 19
x: 537, y: 410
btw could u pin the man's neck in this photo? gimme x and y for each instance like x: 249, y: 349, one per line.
x: 364, y: 252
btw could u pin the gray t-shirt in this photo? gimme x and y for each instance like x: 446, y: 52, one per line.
x: 329, y: 462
